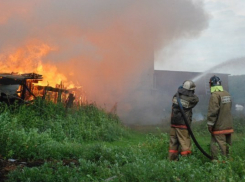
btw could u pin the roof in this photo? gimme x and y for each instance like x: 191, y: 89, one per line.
x: 13, y: 78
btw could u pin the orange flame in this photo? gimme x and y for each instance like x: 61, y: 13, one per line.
x: 29, y: 59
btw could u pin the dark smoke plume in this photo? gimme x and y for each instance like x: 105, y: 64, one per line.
x: 105, y: 46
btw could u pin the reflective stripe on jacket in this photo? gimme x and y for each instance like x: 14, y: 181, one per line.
x: 178, y: 126
x: 222, y: 132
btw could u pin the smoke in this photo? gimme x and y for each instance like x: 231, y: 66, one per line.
x: 233, y: 66
x: 105, y: 46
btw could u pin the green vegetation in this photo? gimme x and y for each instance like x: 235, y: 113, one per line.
x: 88, y: 144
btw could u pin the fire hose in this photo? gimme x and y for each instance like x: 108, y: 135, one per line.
x: 189, y: 128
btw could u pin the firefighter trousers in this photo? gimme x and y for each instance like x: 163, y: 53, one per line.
x: 179, y: 141
x: 220, y: 144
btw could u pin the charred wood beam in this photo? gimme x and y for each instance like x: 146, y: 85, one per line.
x: 56, y: 89
x: 29, y: 90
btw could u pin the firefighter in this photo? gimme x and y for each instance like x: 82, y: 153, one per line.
x: 219, y: 118
x: 179, y: 136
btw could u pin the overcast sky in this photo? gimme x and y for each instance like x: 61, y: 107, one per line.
x: 220, y: 43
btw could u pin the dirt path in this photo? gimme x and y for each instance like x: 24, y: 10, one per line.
x: 9, y: 165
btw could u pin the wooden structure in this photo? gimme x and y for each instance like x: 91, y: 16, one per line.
x: 22, y: 87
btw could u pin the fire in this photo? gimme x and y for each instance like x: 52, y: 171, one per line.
x: 29, y: 59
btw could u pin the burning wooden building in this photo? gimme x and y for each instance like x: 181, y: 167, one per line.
x: 26, y: 87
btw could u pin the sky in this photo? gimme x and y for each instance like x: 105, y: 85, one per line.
x: 221, y: 43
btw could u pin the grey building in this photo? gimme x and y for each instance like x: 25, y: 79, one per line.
x: 167, y: 82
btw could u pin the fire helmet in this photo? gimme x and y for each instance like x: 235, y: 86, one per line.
x: 214, y: 81
x: 189, y: 85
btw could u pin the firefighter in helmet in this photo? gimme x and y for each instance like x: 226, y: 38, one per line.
x: 179, y: 137
x: 219, y: 118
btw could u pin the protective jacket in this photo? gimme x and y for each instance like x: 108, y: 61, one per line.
x: 188, y: 100
x: 219, y: 112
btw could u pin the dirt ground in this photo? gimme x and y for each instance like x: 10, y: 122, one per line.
x: 8, y: 165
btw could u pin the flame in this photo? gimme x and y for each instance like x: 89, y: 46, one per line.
x: 28, y: 59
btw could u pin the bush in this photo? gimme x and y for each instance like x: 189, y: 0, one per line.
x: 25, y: 133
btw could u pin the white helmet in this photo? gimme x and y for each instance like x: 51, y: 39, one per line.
x: 189, y: 85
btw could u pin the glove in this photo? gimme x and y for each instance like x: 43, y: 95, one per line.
x: 210, y: 129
